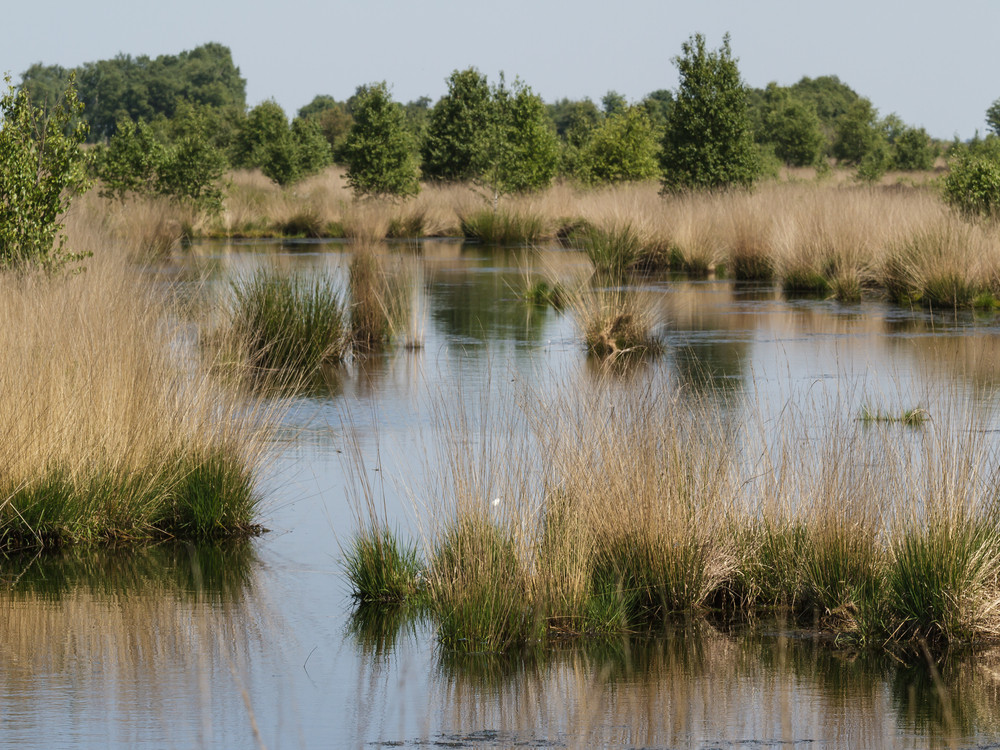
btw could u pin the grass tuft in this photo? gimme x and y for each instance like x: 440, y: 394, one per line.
x: 380, y: 568
x: 287, y: 323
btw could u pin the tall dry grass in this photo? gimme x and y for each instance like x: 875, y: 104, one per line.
x: 606, y: 507
x: 831, y: 236
x: 111, y: 429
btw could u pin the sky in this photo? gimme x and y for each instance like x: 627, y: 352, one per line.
x: 934, y: 64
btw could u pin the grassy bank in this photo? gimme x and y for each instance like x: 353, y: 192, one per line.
x: 615, y: 509
x: 108, y: 432
x: 833, y: 237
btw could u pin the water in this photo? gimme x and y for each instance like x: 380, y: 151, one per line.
x: 256, y: 644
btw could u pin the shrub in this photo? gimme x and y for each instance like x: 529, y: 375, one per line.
x: 41, y: 169
x: 623, y: 148
x: 973, y: 185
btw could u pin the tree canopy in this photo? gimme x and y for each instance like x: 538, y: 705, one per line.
x: 708, y: 141
x: 142, y: 88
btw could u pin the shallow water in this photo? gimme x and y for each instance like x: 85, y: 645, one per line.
x: 256, y: 644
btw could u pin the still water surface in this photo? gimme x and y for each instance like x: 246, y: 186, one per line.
x: 257, y: 644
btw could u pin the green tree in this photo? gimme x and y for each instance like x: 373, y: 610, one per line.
x: 573, y: 120
x: 621, y: 149
x: 41, y: 168
x: 657, y: 105
x: 522, y: 150
x: 333, y: 118
x: 858, y: 132
x: 131, y: 161
x: 993, y: 117
x: 312, y: 151
x: 613, y: 103
x: 973, y: 183
x: 378, y: 151
x: 830, y: 97
x: 455, y: 145
x: 265, y: 141
x: 192, y: 166
x: 791, y: 126
x: 142, y: 88
x: 912, y: 149
x: 708, y: 142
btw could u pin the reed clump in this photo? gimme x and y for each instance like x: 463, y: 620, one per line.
x: 380, y: 567
x: 286, y: 323
x: 479, y: 587
x: 111, y: 430
x: 626, y: 506
x: 385, y: 305
x: 616, y: 323
x: 612, y: 249
x: 505, y: 226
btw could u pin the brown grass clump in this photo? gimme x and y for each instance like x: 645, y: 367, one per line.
x: 109, y: 433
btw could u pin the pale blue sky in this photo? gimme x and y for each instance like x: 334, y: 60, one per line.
x: 935, y: 64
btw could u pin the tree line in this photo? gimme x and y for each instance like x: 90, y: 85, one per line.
x: 501, y: 134
x: 172, y: 125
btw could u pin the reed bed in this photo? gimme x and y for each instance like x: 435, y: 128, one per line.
x: 609, y: 508
x: 110, y: 433
x: 831, y: 237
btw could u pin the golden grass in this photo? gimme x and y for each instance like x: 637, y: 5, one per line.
x: 831, y: 235
x: 608, y: 507
x: 110, y: 426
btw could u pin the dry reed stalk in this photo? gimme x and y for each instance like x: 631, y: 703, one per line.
x: 104, y: 405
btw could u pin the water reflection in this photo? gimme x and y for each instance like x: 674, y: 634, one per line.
x: 700, y: 687
x: 143, y: 646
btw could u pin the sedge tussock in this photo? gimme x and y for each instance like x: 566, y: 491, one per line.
x: 109, y: 432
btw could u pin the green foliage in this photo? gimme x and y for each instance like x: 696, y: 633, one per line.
x: 792, y: 126
x: 708, y: 141
x: 499, y: 136
x: 858, y: 132
x: 380, y: 568
x: 613, y: 103
x: 912, y: 149
x: 333, y: 119
x: 186, y: 168
x: 265, y: 141
x: 192, y: 167
x: 455, y: 146
x: 312, y: 151
x: 288, y: 323
x: 657, y: 105
x: 41, y: 169
x: 378, y: 150
x: 993, y: 117
x: 574, y: 120
x: 522, y: 153
x: 131, y: 161
x: 142, y: 88
x: 830, y: 98
x: 973, y: 185
x: 876, y: 161
x: 621, y: 149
